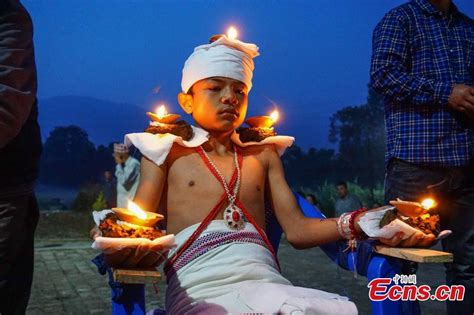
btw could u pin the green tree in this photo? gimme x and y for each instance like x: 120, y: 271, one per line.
x: 360, y: 134
x: 86, y: 198
x: 104, y: 160
x: 68, y: 157
x: 99, y: 203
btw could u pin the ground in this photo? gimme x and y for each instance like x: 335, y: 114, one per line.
x: 66, y: 282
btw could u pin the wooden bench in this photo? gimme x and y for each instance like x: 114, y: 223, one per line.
x: 420, y: 255
x: 134, y: 276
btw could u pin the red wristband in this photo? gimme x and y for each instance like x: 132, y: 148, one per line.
x: 354, y: 233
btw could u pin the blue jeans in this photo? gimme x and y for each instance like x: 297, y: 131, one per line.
x: 453, y: 189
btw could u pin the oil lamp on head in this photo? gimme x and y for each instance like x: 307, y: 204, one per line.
x: 232, y: 34
x: 135, y: 215
x: 162, y: 116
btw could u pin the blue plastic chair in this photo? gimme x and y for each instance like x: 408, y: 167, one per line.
x: 368, y: 263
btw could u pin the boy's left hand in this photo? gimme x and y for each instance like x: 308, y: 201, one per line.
x: 142, y: 256
x: 417, y: 239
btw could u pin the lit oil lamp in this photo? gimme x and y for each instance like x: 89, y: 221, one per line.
x: 135, y: 215
x: 162, y: 116
x: 263, y: 121
x: 232, y: 33
x: 260, y: 128
x: 428, y: 204
x: 414, y: 209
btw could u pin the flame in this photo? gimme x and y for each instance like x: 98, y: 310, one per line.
x: 232, y: 33
x: 275, y: 115
x: 133, y: 207
x: 161, y: 111
x: 425, y: 216
x: 428, y: 203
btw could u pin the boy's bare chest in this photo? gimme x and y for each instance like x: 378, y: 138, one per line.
x: 192, y: 175
x: 192, y: 189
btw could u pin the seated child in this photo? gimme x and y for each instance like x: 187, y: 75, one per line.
x: 213, y: 198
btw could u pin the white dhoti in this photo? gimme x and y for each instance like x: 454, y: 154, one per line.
x: 226, y: 271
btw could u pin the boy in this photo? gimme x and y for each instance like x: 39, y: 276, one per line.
x: 214, y: 198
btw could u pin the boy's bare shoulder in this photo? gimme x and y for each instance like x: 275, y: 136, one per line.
x: 264, y: 151
x: 177, y: 151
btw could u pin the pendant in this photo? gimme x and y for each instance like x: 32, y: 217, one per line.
x: 234, y: 217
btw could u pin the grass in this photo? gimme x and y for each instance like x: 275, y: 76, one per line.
x: 64, y: 224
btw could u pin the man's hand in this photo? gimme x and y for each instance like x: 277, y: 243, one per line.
x: 118, y: 158
x: 462, y: 99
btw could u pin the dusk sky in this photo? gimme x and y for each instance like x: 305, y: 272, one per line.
x: 314, y: 58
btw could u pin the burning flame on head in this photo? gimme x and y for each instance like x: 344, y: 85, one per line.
x: 133, y: 207
x: 232, y: 33
x: 161, y: 111
x: 275, y: 115
x: 428, y: 203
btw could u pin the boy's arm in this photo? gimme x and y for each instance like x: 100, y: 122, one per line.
x: 148, y: 195
x: 152, y: 182
x: 302, y: 232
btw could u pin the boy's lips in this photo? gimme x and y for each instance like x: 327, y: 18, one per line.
x: 229, y: 112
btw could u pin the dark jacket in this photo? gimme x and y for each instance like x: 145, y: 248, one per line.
x: 20, y: 140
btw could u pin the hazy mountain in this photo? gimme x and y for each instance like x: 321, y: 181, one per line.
x: 104, y: 121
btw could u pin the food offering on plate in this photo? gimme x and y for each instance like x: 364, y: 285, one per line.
x: 130, y: 227
x: 426, y: 223
x: 112, y: 226
x: 403, y: 216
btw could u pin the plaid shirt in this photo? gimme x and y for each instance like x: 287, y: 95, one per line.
x: 418, y: 55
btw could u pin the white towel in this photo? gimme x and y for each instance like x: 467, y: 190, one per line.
x: 156, y: 147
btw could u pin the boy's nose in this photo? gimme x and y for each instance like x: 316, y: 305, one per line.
x: 229, y: 97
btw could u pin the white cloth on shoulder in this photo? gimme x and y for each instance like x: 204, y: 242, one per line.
x: 156, y: 147
x: 240, y: 276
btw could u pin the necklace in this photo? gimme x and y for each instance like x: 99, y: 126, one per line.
x: 233, y: 215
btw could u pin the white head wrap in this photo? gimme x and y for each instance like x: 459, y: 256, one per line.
x: 229, y: 58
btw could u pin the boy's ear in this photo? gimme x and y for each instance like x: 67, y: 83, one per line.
x: 186, y: 102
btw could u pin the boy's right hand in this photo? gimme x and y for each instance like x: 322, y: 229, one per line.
x: 142, y: 256
x: 95, y: 232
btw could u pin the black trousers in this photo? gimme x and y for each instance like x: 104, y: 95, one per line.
x: 18, y: 220
x: 453, y: 188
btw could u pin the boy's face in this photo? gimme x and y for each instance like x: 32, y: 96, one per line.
x: 217, y: 103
